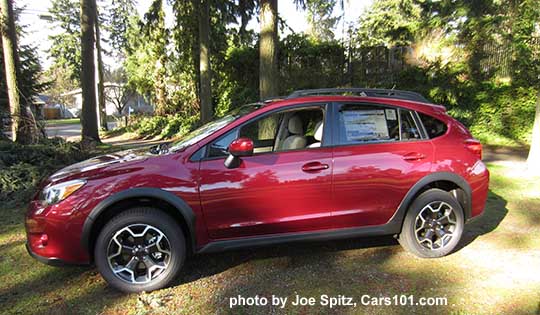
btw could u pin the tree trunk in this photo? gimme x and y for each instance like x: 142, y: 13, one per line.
x: 268, y: 74
x: 20, y: 128
x: 100, y: 87
x: 89, y: 117
x: 533, y: 161
x: 204, y: 62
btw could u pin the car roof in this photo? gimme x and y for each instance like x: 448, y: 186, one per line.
x: 409, y: 104
x: 386, y: 93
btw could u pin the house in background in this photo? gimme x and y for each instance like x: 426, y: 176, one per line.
x: 135, y: 103
x: 45, y: 108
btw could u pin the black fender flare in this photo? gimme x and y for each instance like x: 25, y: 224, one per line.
x: 180, y: 205
x: 396, y: 221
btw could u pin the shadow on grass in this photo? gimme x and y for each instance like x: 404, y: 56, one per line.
x: 494, y: 213
x: 202, y: 266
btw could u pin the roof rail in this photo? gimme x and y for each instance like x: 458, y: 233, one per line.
x: 273, y: 99
x: 387, y: 93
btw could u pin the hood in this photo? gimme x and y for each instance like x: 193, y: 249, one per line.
x: 89, y: 166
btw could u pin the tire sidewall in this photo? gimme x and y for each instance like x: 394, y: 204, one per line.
x: 408, y: 238
x: 153, y: 217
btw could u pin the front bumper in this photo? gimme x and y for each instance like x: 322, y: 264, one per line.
x: 46, y: 260
x: 53, y: 237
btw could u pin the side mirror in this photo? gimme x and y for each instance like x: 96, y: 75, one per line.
x: 238, y: 148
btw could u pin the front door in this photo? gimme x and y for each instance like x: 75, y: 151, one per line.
x: 284, y: 187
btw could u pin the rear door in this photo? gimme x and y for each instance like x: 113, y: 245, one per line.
x: 379, y: 153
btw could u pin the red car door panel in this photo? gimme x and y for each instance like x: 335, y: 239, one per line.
x: 271, y: 193
x: 371, y: 180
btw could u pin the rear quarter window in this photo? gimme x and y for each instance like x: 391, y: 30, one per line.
x: 434, y: 127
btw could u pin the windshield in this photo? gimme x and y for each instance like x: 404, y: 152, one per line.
x: 213, y: 126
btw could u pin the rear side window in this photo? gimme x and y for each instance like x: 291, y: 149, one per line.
x: 361, y: 123
x: 409, y: 130
x: 434, y: 127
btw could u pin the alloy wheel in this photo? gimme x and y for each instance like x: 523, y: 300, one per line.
x: 138, y: 253
x: 435, y: 225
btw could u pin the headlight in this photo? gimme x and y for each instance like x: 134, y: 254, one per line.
x: 56, y: 193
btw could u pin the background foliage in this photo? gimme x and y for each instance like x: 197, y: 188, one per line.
x: 22, y: 167
x: 479, y: 58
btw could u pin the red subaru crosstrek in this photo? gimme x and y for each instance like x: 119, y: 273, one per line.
x: 316, y: 165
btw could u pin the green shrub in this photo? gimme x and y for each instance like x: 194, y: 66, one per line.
x: 178, y: 126
x: 164, y: 126
x: 148, y: 126
x: 495, y: 113
x: 22, y: 167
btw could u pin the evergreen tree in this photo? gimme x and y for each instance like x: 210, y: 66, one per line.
x: 66, y: 44
x: 389, y: 23
x: 90, y: 134
x: 268, y: 49
x: 320, y: 19
x: 20, y: 78
x: 147, y: 62
x: 118, y: 21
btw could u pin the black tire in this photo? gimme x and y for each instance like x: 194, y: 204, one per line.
x: 139, y: 218
x: 418, y: 244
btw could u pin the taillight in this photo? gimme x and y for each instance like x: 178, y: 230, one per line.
x: 474, y: 146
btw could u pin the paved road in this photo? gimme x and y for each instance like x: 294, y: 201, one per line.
x: 71, y: 132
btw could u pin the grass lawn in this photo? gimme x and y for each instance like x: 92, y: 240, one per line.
x: 497, y: 271
x: 67, y: 121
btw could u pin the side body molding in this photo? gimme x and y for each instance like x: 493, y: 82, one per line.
x: 155, y: 193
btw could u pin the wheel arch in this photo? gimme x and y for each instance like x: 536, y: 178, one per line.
x: 150, y: 197
x: 450, y: 182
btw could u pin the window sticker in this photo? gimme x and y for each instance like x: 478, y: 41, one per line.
x: 390, y: 114
x: 365, y: 125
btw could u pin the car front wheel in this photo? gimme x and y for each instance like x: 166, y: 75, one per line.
x: 433, y: 225
x: 141, y: 249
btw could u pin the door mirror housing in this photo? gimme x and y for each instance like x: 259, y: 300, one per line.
x: 238, y: 148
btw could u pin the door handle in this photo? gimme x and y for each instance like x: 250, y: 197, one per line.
x: 413, y: 156
x: 314, y: 167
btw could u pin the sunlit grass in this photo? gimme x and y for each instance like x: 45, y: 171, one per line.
x: 495, y: 272
x: 66, y: 121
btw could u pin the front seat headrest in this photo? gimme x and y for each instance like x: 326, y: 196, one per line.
x: 295, y: 125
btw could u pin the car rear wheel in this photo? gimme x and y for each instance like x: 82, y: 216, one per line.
x: 141, y: 249
x: 433, y: 225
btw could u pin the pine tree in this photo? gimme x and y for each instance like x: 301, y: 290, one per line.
x: 65, y: 48
x: 24, y: 127
x: 320, y: 19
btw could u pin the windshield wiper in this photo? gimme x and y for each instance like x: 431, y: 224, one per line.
x: 161, y: 148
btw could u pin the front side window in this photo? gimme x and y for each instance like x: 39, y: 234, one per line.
x: 211, y: 127
x: 282, y: 131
